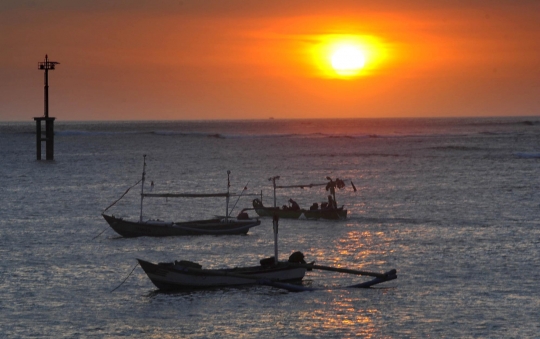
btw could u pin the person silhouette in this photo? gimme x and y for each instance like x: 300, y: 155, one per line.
x: 294, y: 205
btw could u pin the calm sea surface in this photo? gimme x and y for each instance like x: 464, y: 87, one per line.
x: 452, y: 204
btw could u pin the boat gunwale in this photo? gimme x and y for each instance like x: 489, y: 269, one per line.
x: 167, y: 284
x: 130, y: 229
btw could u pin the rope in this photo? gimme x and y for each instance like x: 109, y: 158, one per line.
x: 111, y: 205
x: 126, y: 277
x: 99, y: 234
x: 245, y: 188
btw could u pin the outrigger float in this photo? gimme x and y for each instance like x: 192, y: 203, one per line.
x: 288, y: 275
x: 226, y: 225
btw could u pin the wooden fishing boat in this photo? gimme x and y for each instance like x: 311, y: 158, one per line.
x: 327, y: 210
x: 319, y: 213
x: 181, y: 275
x: 186, y: 275
x: 157, y: 228
x: 226, y: 225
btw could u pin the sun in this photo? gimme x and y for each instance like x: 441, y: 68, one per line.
x: 347, y: 56
x: 347, y: 60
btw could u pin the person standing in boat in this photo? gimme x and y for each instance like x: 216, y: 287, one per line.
x: 294, y: 205
x: 331, y: 202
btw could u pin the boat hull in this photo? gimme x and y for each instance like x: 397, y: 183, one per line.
x: 178, y: 277
x: 325, y: 213
x: 151, y: 228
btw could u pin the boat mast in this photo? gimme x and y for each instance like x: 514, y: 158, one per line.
x: 227, y: 204
x: 332, y: 186
x: 273, y: 179
x: 142, y: 184
x: 275, y: 224
x: 333, y: 192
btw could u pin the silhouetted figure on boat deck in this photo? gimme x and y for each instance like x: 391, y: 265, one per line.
x: 294, y: 205
x: 314, y: 207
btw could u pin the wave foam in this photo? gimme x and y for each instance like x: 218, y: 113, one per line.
x: 525, y: 155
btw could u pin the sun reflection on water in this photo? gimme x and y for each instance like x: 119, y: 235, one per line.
x: 346, y: 312
x: 361, y: 248
x: 344, y: 316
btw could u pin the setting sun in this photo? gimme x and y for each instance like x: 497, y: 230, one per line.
x: 348, y: 60
x: 348, y: 56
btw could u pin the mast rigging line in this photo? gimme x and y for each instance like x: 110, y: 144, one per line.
x: 195, y: 195
x: 239, y: 196
x: 301, y: 186
x: 117, y: 200
x: 126, y: 278
x: 314, y: 185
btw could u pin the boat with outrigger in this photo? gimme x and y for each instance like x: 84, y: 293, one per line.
x: 288, y: 275
x: 226, y: 225
x: 327, y: 210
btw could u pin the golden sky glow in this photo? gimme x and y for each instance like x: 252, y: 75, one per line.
x: 254, y: 59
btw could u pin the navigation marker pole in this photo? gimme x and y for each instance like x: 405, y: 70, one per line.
x: 49, y: 122
x: 227, y: 204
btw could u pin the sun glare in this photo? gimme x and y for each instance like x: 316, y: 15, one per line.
x: 347, y: 60
x: 347, y: 56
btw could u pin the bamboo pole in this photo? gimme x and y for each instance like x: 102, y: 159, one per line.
x: 344, y: 270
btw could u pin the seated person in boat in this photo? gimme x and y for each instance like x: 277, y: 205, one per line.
x: 294, y: 205
x: 314, y: 207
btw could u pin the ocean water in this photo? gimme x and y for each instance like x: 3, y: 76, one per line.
x: 452, y: 204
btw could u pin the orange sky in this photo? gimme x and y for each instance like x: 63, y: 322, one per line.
x: 215, y: 59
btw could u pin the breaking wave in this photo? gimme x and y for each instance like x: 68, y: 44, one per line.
x: 89, y: 133
x: 525, y: 155
x: 182, y: 134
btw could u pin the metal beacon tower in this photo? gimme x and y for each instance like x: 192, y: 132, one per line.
x: 49, y: 122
